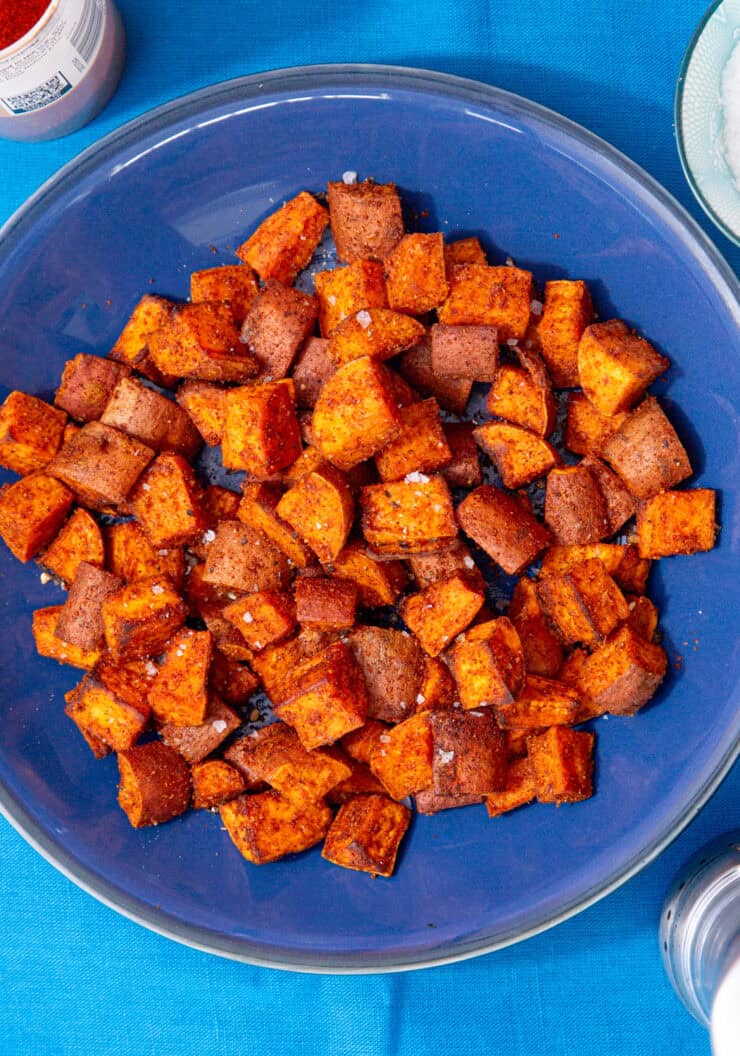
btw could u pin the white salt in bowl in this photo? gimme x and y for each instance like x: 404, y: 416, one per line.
x: 707, y: 115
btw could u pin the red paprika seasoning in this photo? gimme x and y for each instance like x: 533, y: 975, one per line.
x: 17, y: 17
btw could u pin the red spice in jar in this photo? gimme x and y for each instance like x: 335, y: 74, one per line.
x: 17, y: 17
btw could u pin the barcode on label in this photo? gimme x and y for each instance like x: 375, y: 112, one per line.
x: 85, y: 35
x: 48, y: 92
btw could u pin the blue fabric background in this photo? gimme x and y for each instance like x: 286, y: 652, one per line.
x: 75, y: 977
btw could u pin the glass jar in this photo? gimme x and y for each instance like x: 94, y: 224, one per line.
x: 62, y: 72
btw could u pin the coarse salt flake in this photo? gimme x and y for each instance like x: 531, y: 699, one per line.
x: 157, y: 589
x: 151, y: 669
x: 416, y: 478
x: 512, y: 342
x: 468, y: 562
x: 45, y: 578
x: 536, y: 307
x: 420, y: 698
x: 248, y: 617
x: 209, y: 536
x: 349, y: 177
x: 445, y: 757
x: 146, y: 487
x: 219, y: 725
x: 384, y: 738
x: 364, y: 319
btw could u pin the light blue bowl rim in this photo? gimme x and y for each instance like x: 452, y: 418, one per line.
x: 308, y: 78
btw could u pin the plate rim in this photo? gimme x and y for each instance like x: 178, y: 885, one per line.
x: 394, y: 78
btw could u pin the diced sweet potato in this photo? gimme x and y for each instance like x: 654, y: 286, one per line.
x: 575, y: 507
x: 140, y: 618
x: 643, y: 617
x: 155, y: 784
x: 79, y: 539
x: 465, y: 351
x: 469, y: 753
x: 366, y: 219
x: 500, y: 525
x: 463, y: 471
x: 133, y: 345
x: 646, y: 452
x: 325, y: 602
x: 633, y: 571
x: 275, y: 754
x: 242, y: 559
x: 313, y: 366
x: 519, y: 456
x: 285, y: 241
x: 378, y: 582
x: 516, y: 396
x: 214, y: 783
x: 196, y: 742
x: 105, y: 715
x: 438, y: 688
x: 543, y: 653
x: 488, y: 665
x: 345, y: 291
x: 377, y: 333
x: 261, y: 432
x: 622, y: 562
x: 166, y: 501
x: 31, y: 433
x: 356, y: 414
x: 230, y: 679
x: 366, y: 834
x: 47, y: 643
x: 131, y: 556
x: 584, y: 604
x: 266, y: 827
x: 442, y: 611
x: 320, y: 508
x: 87, y: 384
x: 243, y: 755
x: 276, y: 664
x: 258, y: 510
x: 676, y: 522
x: 419, y: 446
x: 429, y: 802
x: 393, y: 667
x: 206, y: 405
x: 415, y: 366
x: 101, y: 464
x: 485, y: 296
x: 200, y: 341
x: 220, y: 504
x: 542, y: 702
x: 464, y: 251
x: 624, y: 673
x: 616, y: 366
x: 31, y: 513
x: 325, y: 697
x: 517, y: 791
x: 566, y: 313
x: 361, y: 743
x: 562, y: 765
x: 361, y: 782
x: 148, y: 416
x: 276, y: 326
x: 416, y: 274
x: 235, y: 284
x: 81, y: 619
x: 402, y: 758
x: 130, y: 680
x: 430, y: 568
x: 586, y: 428
x: 179, y: 694
x: 262, y: 618
x: 620, y: 504
x: 414, y: 515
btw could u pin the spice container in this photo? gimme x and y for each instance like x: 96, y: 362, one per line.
x: 60, y: 62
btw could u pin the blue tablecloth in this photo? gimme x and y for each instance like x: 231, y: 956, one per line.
x: 75, y: 977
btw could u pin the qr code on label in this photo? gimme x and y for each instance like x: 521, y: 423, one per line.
x: 38, y: 97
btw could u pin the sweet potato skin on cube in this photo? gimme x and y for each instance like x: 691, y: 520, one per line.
x: 430, y: 568
x: 262, y: 618
x: 393, y: 666
x: 584, y: 604
x: 101, y: 464
x: 575, y: 507
x: 146, y: 415
x: 520, y: 456
x: 320, y: 508
x: 140, y: 618
x: 566, y: 313
x: 326, y: 602
x: 179, y: 694
x: 517, y: 791
x: 620, y: 504
x: 312, y: 367
x: 469, y: 756
x: 276, y: 326
x: 615, y: 366
x: 366, y: 834
x: 356, y: 414
x: 490, y: 296
x: 285, y: 241
x: 562, y: 765
x: 429, y: 802
x: 415, y: 366
x: 465, y: 351
x: 31, y: 512
x: 488, y: 664
x: 133, y: 344
x: 243, y: 559
x: 623, y: 674
x: 420, y: 446
x: 378, y: 333
x: 81, y: 619
x: 402, y: 757
x: 78, y: 540
x: 194, y: 743
x: 47, y: 643
x: 463, y: 471
x: 586, y: 428
x: 646, y: 452
x: 408, y: 516
x: 416, y: 275
x: 205, y: 403
x: 214, y: 783
x: 31, y: 433
x: 261, y: 432
x: 106, y: 715
x: 345, y: 291
x: 87, y: 384
x: 234, y: 284
x: 325, y: 697
x: 154, y: 784
x: 366, y: 219
x: 378, y: 582
x: 266, y: 827
x: 442, y: 611
x: 509, y: 534
x: 676, y: 522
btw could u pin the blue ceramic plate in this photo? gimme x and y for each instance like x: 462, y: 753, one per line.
x: 177, y: 190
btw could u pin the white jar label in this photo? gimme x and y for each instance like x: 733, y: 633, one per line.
x: 55, y: 60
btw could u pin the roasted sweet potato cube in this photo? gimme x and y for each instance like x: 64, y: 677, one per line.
x: 416, y: 274
x: 206, y: 405
x: 356, y: 414
x: 430, y: 802
x: 510, y: 534
x: 377, y: 333
x: 543, y: 653
x: 517, y: 791
x: 230, y: 679
x: 485, y: 296
x: 675, y: 522
x: 320, y: 508
x: 87, y: 384
x: 620, y: 504
x: 366, y: 219
x: 155, y: 784
x: 148, y: 416
x: 561, y: 559
x: 378, y: 582
x: 411, y: 516
x: 133, y: 344
x: 179, y: 694
x: 519, y: 456
x: 361, y: 782
x: 140, y: 618
x: 101, y: 464
x: 312, y: 367
x: 366, y: 834
x: 309, y: 459
x: 285, y: 241
x: 131, y: 556
x: 267, y: 826
x: 47, y: 643
x: 130, y: 680
x: 276, y: 326
x: 586, y: 428
x: 442, y: 611
x: 220, y: 504
x: 242, y: 559
x: 430, y: 568
x: 105, y: 715
x: 262, y: 618
x: 402, y: 758
x: 393, y: 667
x: 361, y: 743
x: 517, y: 397
x: 31, y: 513
x: 226, y: 638
x: 275, y: 754
x: 615, y: 366
x: 465, y: 351
x: 415, y: 366
x: 623, y: 674
x: 31, y: 433
x: 167, y: 502
x: 419, y: 446
x: 325, y: 697
x: 214, y: 783
x: 643, y: 617
x: 261, y: 433
x: 575, y: 507
x: 196, y: 742
x: 584, y: 605
x: 346, y: 291
x: 79, y: 539
x: 646, y: 452
x: 464, y: 251
x: 633, y: 571
x: 469, y: 753
x: 243, y: 754
x: 235, y: 284
x: 488, y: 665
x: 200, y: 341
x: 258, y: 509
x: 562, y: 765
x: 438, y: 687
x: 276, y: 664
x: 542, y: 702
x: 325, y: 602
x: 81, y: 619
x: 566, y: 314
x: 463, y: 471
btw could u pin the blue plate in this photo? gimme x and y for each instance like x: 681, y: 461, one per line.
x: 177, y: 190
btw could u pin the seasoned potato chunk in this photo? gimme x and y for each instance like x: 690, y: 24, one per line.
x: 131, y: 556
x: 106, y: 715
x: 488, y: 664
x: 313, y: 366
x: 420, y: 446
x: 320, y: 509
x: 346, y: 291
x: 31, y: 512
x: 615, y: 366
x: 258, y: 508
x: 646, y: 452
x: 520, y: 456
x: 167, y: 502
x: 465, y: 351
x: 179, y: 694
x: 79, y: 539
x: 586, y: 428
x: 101, y: 464
x: 516, y: 396
x: 195, y: 743
x: 276, y: 326
x: 81, y: 619
x: 584, y: 604
x: 214, y: 783
x: 262, y: 618
x: 200, y: 341
x: 542, y: 702
x: 393, y: 667
x: 543, y: 653
x: 414, y: 515
x: 366, y: 834
x: 566, y: 313
x: 356, y: 414
x: 416, y: 274
x: 87, y: 384
x: 206, y: 405
x: 47, y: 643
x: 148, y: 416
x: 325, y: 697
x: 442, y: 611
x: 481, y: 295
x: 284, y: 243
x: 266, y: 827
x: 366, y: 219
x: 676, y: 522
x: 402, y: 757
x: 562, y: 765
x: 140, y: 618
x: 235, y: 284
x: 133, y: 346
x: 575, y: 507
x: 244, y: 560
x: 378, y: 582
x: 377, y: 333
x: 469, y: 753
x: 415, y: 365
x: 324, y: 602
x: 31, y: 432
x: 517, y: 791
x: 510, y: 534
x: 463, y: 471
x: 155, y: 784
x: 623, y: 674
